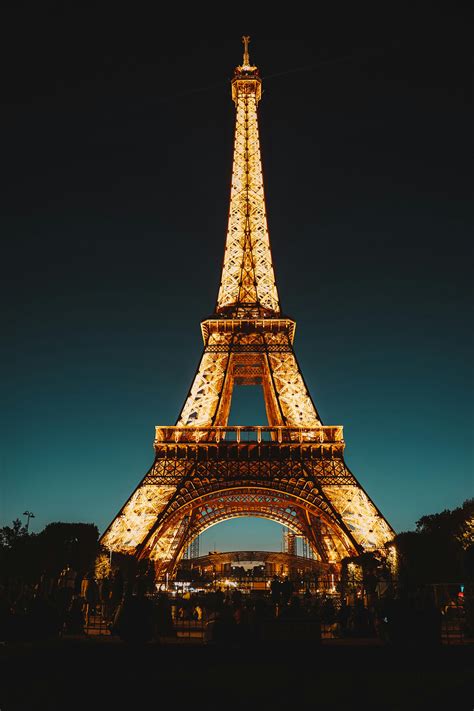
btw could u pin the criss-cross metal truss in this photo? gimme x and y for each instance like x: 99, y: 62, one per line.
x: 291, y: 471
x: 248, y: 281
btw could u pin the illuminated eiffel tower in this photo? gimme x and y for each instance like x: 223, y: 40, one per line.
x: 291, y: 471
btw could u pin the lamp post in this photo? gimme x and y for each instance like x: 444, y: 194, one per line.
x: 30, y: 515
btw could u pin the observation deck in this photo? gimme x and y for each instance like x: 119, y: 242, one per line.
x: 255, y: 442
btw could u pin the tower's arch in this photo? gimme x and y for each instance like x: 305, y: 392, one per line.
x: 208, y: 506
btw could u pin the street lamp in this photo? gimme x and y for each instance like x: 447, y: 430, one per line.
x: 30, y: 515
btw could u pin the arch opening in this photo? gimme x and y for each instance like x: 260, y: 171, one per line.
x: 244, y: 532
x: 326, y: 541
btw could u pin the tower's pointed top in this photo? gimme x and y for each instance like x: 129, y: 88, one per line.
x: 246, y: 68
x: 248, y: 287
x: 246, y: 41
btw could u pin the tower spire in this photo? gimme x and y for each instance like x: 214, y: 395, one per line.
x: 247, y: 285
x: 246, y: 41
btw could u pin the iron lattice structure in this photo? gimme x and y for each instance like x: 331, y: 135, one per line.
x: 291, y: 471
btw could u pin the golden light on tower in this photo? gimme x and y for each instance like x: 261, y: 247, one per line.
x: 292, y: 470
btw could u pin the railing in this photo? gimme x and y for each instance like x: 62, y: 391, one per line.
x: 97, y: 621
x: 190, y: 626
x: 258, y: 434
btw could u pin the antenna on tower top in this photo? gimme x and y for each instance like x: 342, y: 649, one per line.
x: 246, y: 40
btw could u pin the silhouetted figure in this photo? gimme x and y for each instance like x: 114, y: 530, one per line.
x: 64, y: 590
x: 162, y: 618
x: 242, y: 622
x: 261, y: 614
x: 74, y: 620
x: 67, y: 578
x: 328, y: 613
x: 342, y: 617
x: 275, y: 591
x: 134, y: 620
x: 219, y: 598
x: 105, y: 590
x: 91, y: 596
x: 236, y: 597
x: 286, y: 591
x: 117, y: 591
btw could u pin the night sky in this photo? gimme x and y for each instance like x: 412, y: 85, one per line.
x: 117, y: 136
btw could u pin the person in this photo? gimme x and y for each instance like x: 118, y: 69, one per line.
x: 91, y: 595
x: 67, y: 578
x: 236, y: 597
x: 64, y: 591
x: 105, y: 594
x: 219, y: 597
x: 224, y: 628
x: 275, y: 592
x: 307, y: 600
x: 74, y: 619
x: 286, y: 591
x: 342, y: 618
x: 328, y: 612
x: 134, y: 621
x: 117, y: 590
x: 261, y: 615
x: 163, y: 621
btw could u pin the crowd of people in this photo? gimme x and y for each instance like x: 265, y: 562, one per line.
x: 53, y: 607
x: 129, y: 610
x: 232, y: 614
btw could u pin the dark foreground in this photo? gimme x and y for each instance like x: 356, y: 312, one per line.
x: 104, y: 673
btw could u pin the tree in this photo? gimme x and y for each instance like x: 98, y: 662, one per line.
x: 68, y: 544
x: 457, y: 524
x: 18, y: 559
x: 25, y: 557
x: 441, y: 549
x: 10, y: 535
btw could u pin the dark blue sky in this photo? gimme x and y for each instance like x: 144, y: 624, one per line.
x: 117, y: 150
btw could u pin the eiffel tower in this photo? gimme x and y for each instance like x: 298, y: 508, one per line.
x: 292, y: 470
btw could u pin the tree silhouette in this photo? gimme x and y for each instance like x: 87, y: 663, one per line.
x: 440, y: 550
